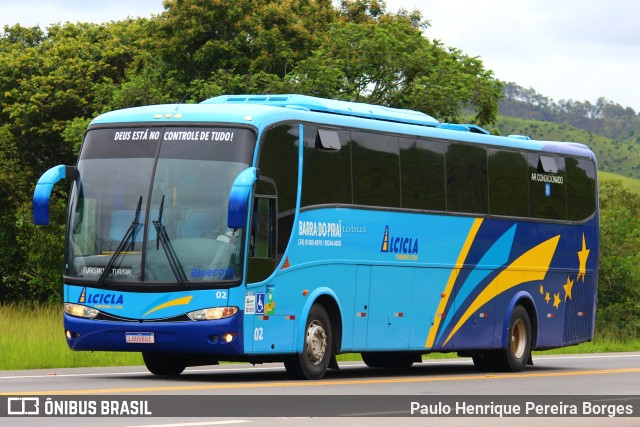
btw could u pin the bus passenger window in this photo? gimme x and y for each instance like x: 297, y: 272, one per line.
x: 466, y: 179
x: 508, y: 183
x: 422, y: 174
x: 581, y: 190
x: 547, y: 187
x: 326, y: 177
x: 376, y: 170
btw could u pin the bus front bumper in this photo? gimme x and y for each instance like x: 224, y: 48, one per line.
x: 211, y: 337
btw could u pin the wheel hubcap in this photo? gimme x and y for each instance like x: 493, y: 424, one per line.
x: 316, y: 342
x: 518, y: 339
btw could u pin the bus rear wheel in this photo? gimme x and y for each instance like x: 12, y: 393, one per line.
x: 515, y: 356
x: 314, y: 360
x: 163, y: 363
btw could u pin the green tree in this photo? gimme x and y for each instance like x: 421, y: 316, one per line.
x: 200, y: 37
x: 357, y: 51
x: 48, y: 81
x: 619, y: 282
x: 373, y: 56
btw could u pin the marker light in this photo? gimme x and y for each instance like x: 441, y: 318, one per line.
x: 213, y: 313
x: 80, y: 310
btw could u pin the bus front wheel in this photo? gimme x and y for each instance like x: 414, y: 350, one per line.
x: 314, y: 360
x: 163, y: 363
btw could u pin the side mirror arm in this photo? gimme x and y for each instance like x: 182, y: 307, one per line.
x: 239, y: 197
x: 42, y: 193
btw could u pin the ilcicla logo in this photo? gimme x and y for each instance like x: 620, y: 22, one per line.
x: 100, y: 298
x: 398, y: 245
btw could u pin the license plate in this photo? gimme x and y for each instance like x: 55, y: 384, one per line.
x: 139, y: 337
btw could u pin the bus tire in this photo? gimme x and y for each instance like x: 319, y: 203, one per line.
x: 516, y: 355
x: 164, y: 364
x: 396, y: 360
x: 314, y: 360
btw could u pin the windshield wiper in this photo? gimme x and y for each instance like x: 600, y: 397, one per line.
x: 172, y: 257
x: 123, y: 243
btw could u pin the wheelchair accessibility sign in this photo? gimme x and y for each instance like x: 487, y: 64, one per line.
x: 260, y: 302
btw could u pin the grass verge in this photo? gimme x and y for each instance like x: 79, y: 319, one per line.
x: 33, y: 338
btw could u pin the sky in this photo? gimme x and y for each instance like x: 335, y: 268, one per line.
x: 564, y: 49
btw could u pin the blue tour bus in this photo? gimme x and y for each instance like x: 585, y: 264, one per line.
x: 292, y: 228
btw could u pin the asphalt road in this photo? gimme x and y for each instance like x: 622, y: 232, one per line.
x: 354, y: 395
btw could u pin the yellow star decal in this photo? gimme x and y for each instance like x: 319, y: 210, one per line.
x: 541, y: 290
x: 582, y: 256
x: 547, y: 298
x: 567, y: 289
x: 556, y: 300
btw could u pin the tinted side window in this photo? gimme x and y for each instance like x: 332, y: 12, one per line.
x: 508, y: 183
x: 326, y: 177
x: 376, y: 170
x: 466, y: 179
x: 422, y: 168
x: 279, y: 164
x: 547, y: 190
x: 581, y: 188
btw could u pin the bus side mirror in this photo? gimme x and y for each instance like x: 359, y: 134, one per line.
x: 239, y: 197
x: 42, y: 193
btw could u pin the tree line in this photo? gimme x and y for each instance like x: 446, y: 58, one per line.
x: 604, y: 117
x: 53, y: 81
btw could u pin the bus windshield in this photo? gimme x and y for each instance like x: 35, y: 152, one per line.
x: 150, y: 205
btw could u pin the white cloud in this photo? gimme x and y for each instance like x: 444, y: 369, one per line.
x: 45, y: 13
x: 569, y: 49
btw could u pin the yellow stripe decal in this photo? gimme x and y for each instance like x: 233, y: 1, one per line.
x: 452, y: 280
x: 180, y: 301
x: 532, y: 265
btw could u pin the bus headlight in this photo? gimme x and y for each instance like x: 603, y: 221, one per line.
x: 213, y: 313
x: 80, y: 310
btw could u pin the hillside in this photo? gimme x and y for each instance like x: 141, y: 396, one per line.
x: 630, y: 183
x: 620, y: 157
x: 604, y: 117
x: 611, y: 130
